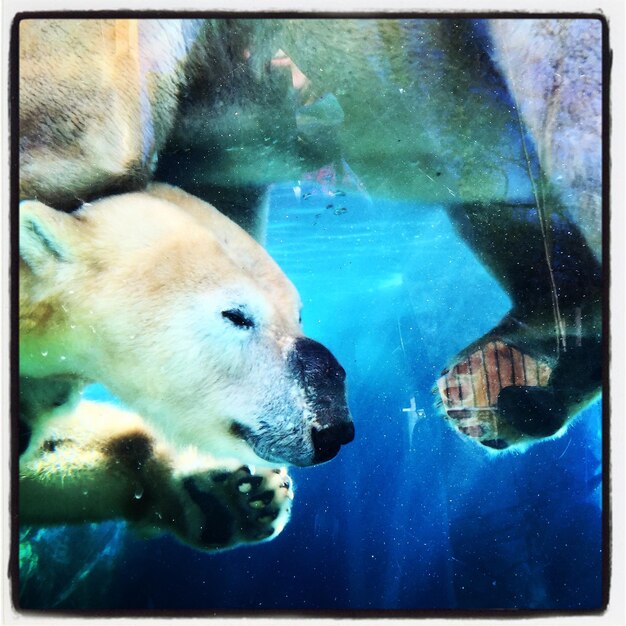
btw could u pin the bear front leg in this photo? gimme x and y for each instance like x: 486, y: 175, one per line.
x: 99, y: 463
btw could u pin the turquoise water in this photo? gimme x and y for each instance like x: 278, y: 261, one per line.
x: 401, y: 519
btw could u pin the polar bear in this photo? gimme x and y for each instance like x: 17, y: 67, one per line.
x: 499, y: 120
x: 188, y: 321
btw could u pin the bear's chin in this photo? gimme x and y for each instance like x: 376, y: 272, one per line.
x: 266, y: 450
x: 319, y: 445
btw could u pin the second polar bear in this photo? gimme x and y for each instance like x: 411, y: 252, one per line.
x: 190, y: 323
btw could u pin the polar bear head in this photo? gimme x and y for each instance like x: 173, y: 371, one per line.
x: 186, y: 319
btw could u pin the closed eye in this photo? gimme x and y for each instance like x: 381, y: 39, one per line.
x: 238, y: 318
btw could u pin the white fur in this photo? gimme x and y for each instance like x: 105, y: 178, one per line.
x: 141, y: 312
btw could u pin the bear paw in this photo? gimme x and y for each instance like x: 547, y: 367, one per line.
x: 226, y: 508
x: 500, y: 397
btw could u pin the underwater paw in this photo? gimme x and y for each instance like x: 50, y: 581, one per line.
x: 499, y: 397
x: 227, y: 508
x: 263, y: 500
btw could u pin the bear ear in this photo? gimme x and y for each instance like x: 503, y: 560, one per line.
x: 45, y: 235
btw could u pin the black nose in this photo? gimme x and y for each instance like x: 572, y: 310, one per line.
x: 323, y: 381
x: 328, y: 441
x: 316, y: 362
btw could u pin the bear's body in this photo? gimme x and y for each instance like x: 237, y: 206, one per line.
x: 211, y: 106
x: 459, y: 112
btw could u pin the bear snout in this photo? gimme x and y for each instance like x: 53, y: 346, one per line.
x: 313, y: 421
x: 328, y: 441
x: 323, y: 380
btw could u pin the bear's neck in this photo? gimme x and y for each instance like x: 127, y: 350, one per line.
x: 51, y: 343
x: 42, y: 356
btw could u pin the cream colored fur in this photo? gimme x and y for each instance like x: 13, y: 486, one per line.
x: 141, y: 312
x: 99, y: 462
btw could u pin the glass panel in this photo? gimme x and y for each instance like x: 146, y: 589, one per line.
x: 433, y: 189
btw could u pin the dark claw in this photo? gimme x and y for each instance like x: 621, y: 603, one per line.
x: 256, y: 481
x: 266, y: 497
x: 496, y: 444
x: 265, y: 533
x: 267, y: 516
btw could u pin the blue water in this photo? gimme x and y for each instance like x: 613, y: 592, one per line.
x: 399, y: 520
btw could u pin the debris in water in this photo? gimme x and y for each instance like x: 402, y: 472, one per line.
x: 413, y: 414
